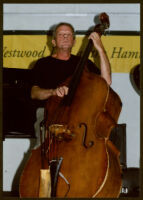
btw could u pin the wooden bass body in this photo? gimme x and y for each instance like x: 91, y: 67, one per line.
x: 90, y: 164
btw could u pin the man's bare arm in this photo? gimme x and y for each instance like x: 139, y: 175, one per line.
x: 104, y: 61
x: 43, y: 94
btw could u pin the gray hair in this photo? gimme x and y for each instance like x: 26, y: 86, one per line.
x: 63, y: 24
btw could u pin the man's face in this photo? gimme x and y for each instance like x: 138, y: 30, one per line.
x: 64, y: 38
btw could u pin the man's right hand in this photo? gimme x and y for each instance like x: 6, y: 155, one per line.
x: 61, y: 91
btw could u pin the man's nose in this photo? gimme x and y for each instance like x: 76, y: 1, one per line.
x: 65, y: 35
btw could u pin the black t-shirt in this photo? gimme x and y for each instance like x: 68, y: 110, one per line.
x: 50, y: 72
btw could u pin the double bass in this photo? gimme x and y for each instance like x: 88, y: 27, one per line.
x: 76, y: 157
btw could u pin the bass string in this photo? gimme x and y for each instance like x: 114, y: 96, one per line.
x: 56, y: 118
x: 57, y: 115
x: 59, y: 119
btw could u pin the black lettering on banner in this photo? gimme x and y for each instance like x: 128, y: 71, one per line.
x: 21, y: 53
x: 6, y: 53
x: 14, y: 53
x: 41, y: 53
x: 133, y: 54
x: 117, y: 53
x: 34, y: 54
x: 124, y: 54
x: 28, y: 53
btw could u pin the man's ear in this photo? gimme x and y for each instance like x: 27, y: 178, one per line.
x: 53, y: 42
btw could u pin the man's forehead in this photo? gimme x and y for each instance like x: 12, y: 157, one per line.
x: 64, y: 28
x: 64, y: 31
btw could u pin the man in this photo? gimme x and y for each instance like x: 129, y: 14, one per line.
x: 51, y: 71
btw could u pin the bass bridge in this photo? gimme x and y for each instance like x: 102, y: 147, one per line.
x: 61, y: 132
